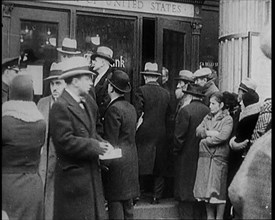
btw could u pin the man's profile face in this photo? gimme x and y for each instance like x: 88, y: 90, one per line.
x: 201, y: 81
x: 97, y: 63
x: 57, y: 86
x: 84, y: 84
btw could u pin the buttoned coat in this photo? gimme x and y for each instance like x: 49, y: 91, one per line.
x: 186, y: 148
x: 78, y: 186
x: 153, y: 100
x: 102, y: 97
x: 48, y: 159
x: 120, y: 129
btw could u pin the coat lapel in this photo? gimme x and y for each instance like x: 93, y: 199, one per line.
x: 74, y: 107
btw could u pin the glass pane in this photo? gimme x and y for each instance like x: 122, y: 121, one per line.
x: 116, y: 33
x: 38, y: 39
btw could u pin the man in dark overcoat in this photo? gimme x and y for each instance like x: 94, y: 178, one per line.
x: 152, y: 103
x: 101, y: 61
x: 78, y: 185
x: 121, y: 185
x: 186, y: 149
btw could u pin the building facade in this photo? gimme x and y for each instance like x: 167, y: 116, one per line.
x: 140, y: 31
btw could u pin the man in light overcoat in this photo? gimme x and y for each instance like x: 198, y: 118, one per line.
x: 48, y: 156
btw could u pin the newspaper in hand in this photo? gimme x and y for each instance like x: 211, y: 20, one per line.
x: 140, y: 120
x: 111, y: 154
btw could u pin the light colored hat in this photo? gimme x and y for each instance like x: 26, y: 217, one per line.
x: 151, y: 69
x: 104, y: 52
x: 203, y: 72
x: 75, y: 66
x: 185, y: 75
x: 55, y: 71
x: 69, y: 46
x: 248, y: 83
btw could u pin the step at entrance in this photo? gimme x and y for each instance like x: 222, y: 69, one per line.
x: 166, y: 209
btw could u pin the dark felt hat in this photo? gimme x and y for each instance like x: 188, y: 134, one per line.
x: 10, y: 63
x: 195, y: 90
x: 120, y: 80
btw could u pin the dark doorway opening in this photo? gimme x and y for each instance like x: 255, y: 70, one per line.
x: 148, y: 41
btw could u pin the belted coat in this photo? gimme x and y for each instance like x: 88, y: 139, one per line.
x: 78, y: 185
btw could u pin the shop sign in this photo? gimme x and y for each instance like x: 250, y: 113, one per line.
x: 145, y: 6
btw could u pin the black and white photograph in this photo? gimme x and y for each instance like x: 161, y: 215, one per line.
x: 136, y: 109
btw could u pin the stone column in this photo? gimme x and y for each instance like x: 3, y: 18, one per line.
x: 195, y: 49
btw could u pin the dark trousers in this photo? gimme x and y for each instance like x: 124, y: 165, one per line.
x: 121, y: 209
x: 192, y: 210
x: 152, y: 183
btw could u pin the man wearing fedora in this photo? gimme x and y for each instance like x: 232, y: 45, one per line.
x: 78, y: 185
x: 48, y: 156
x: 152, y: 101
x: 186, y: 151
x: 102, y: 60
x: 121, y: 185
x: 10, y: 69
x: 184, y: 78
x: 205, y: 78
x: 68, y: 49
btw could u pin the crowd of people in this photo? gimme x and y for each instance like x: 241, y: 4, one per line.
x: 53, y: 152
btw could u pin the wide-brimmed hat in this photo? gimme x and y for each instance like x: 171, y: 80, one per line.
x: 185, y: 75
x: 203, y: 72
x: 103, y: 52
x: 55, y: 71
x: 195, y: 90
x: 151, y: 69
x: 75, y: 66
x: 248, y: 83
x: 10, y: 63
x: 120, y: 80
x: 69, y: 46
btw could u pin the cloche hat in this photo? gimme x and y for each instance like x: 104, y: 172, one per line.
x: 21, y: 88
x: 248, y: 83
x: 69, y: 46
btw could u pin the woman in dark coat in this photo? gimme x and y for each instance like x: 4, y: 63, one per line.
x: 121, y: 184
x: 23, y: 135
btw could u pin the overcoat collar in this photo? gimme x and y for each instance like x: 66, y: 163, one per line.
x: 250, y: 110
x: 153, y: 83
x: 120, y: 98
x: 75, y: 108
